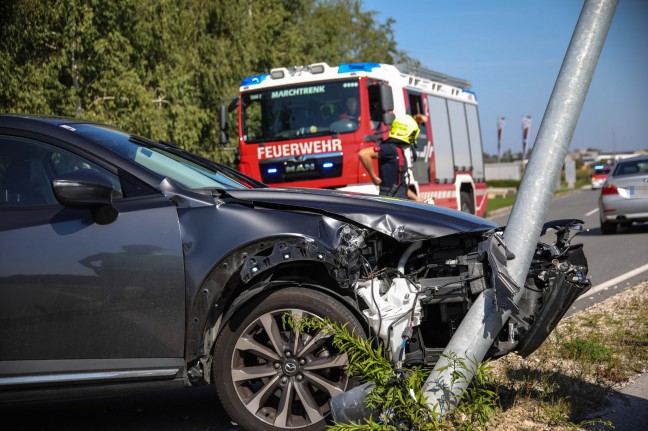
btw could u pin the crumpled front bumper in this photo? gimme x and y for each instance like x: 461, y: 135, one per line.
x: 567, y: 283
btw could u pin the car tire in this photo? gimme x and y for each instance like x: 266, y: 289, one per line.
x: 608, y: 228
x: 467, y: 204
x: 271, y: 377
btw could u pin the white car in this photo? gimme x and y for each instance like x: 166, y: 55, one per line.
x: 624, y: 196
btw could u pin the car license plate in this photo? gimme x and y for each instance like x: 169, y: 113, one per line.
x: 637, y: 191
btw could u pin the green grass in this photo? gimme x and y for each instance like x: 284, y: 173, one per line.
x: 497, y: 203
x: 503, y: 183
x: 586, y: 350
x: 583, y: 360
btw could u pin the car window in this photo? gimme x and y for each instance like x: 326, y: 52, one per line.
x: 183, y: 171
x: 631, y: 168
x: 167, y: 164
x: 27, y: 168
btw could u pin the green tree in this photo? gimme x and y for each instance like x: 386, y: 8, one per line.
x: 160, y: 68
x: 72, y: 58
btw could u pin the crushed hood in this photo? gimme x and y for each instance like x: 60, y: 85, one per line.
x: 401, y: 219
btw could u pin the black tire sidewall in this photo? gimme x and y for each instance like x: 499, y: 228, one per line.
x: 465, y: 198
x: 608, y: 228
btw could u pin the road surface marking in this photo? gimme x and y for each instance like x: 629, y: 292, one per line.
x: 614, y: 281
x: 591, y: 212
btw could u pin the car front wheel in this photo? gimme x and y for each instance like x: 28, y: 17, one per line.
x: 271, y: 376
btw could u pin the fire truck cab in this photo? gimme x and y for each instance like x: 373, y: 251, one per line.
x: 297, y: 128
x: 599, y: 175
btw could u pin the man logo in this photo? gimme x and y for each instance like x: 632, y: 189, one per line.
x: 300, y: 167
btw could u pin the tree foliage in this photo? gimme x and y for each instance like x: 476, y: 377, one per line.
x: 160, y: 68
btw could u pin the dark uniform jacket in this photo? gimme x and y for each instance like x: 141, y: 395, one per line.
x: 392, y: 169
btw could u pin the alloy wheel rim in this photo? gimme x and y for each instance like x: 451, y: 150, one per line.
x: 286, y: 376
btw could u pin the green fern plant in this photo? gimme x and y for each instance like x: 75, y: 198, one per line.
x: 397, y: 394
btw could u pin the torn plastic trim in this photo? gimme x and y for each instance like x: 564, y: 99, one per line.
x: 343, y: 262
x: 497, y: 254
x: 567, y: 282
x: 284, y: 252
x: 504, y: 286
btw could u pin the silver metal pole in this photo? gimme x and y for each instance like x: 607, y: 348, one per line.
x: 484, y: 320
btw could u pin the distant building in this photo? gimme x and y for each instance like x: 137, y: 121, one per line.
x: 515, y: 170
x: 587, y: 156
x: 592, y: 156
x: 503, y: 171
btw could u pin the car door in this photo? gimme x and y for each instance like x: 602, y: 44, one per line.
x: 76, y: 295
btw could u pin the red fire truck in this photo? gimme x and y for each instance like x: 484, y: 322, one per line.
x: 599, y: 175
x: 297, y: 128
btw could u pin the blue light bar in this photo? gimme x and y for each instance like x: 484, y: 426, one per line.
x: 598, y: 167
x: 357, y: 67
x: 327, y: 165
x: 470, y: 92
x: 253, y: 80
x: 272, y: 171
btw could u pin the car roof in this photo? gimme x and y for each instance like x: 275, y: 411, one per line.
x: 634, y: 158
x: 48, y: 119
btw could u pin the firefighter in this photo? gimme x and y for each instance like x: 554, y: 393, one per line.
x: 352, y: 111
x: 392, y: 161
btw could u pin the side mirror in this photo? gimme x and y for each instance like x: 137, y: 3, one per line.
x: 223, y: 117
x: 387, y: 104
x: 386, y: 98
x: 85, y: 188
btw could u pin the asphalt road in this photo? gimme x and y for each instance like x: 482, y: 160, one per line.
x: 611, y: 259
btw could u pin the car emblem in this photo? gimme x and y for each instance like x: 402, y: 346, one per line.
x: 290, y: 367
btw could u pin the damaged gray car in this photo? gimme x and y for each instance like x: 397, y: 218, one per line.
x: 129, y: 263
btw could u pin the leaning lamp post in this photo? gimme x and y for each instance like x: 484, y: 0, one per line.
x: 485, y: 319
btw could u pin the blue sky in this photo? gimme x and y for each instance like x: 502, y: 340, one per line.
x: 512, y: 51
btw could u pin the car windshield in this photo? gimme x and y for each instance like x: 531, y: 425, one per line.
x: 166, y: 163
x: 601, y: 171
x: 300, y: 111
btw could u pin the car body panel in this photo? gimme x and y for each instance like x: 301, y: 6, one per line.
x: 112, y: 289
x: 401, y: 219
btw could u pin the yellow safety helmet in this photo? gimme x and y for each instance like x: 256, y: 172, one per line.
x: 405, y: 129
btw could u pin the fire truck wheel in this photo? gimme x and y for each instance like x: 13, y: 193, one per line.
x: 271, y: 376
x: 467, y: 204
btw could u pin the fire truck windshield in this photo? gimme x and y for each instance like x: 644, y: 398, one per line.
x: 289, y: 112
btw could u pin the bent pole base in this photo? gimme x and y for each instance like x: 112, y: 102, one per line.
x: 469, y: 344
